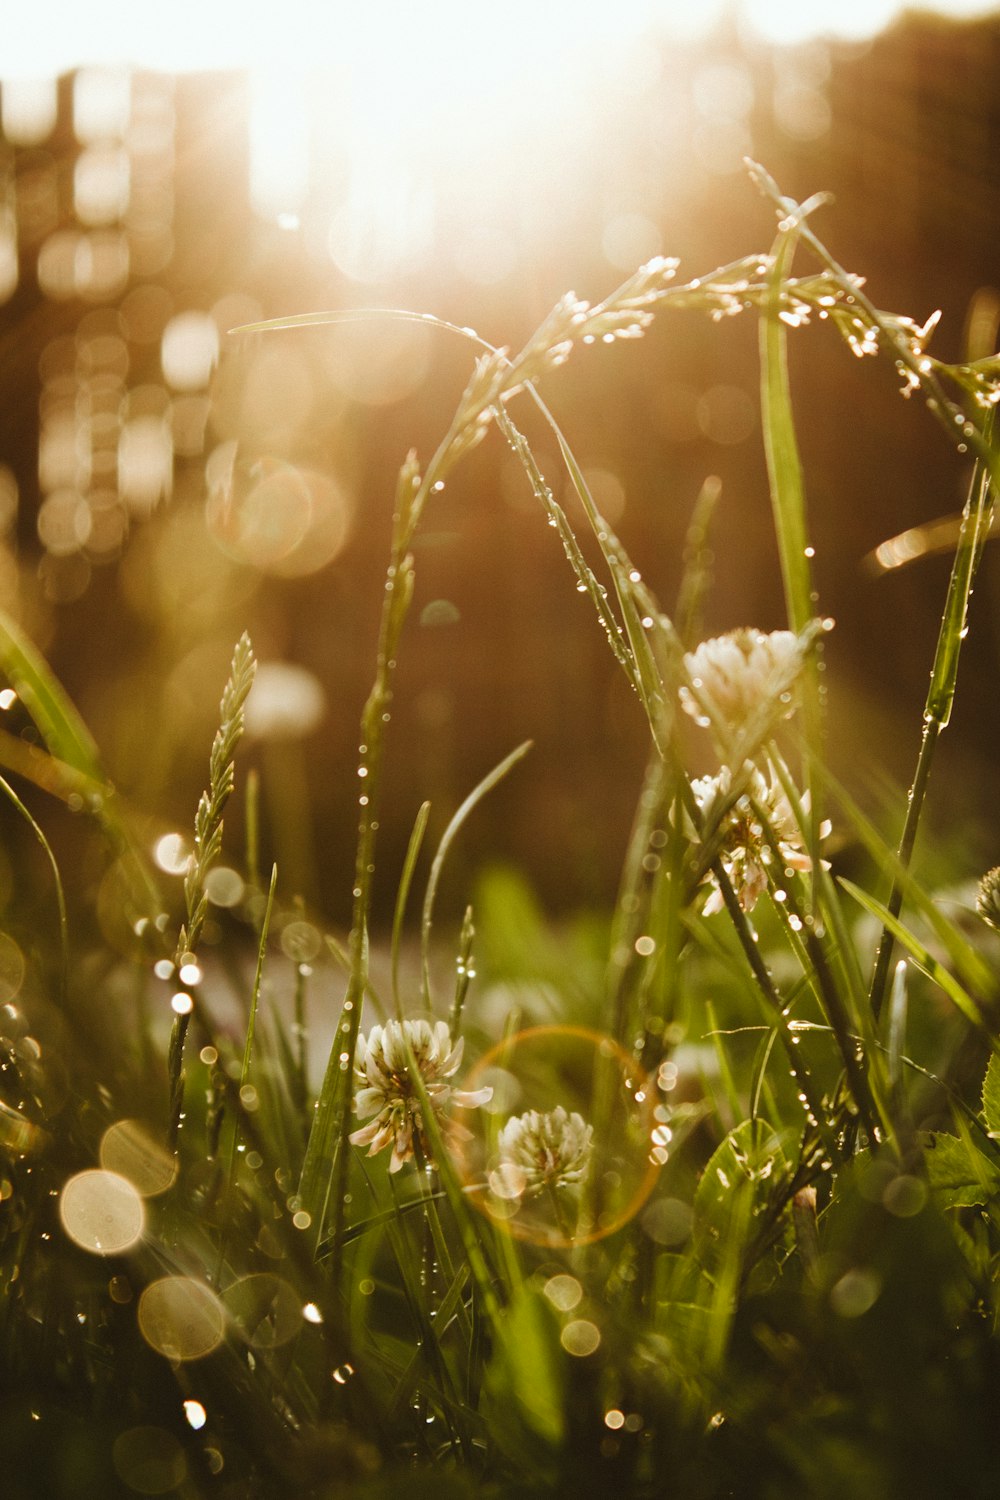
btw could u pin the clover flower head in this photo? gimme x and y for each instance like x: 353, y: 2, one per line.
x: 988, y: 898
x: 541, y: 1149
x: 386, y: 1088
x: 739, y: 684
x: 745, y: 848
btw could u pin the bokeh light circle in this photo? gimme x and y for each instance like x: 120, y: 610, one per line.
x: 544, y: 1069
x: 149, y: 1460
x: 277, y: 517
x: 286, y: 702
x: 265, y: 1309
x: 102, y: 1212
x: 129, y: 1150
x: 181, y: 1318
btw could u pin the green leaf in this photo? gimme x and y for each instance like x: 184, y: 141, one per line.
x: 749, y: 1156
x: 959, y: 1175
x: 991, y: 1095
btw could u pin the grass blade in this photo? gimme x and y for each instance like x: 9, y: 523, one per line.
x: 781, y: 449
x: 16, y: 802
x: 402, y: 894
x: 920, y: 953
x: 471, y: 802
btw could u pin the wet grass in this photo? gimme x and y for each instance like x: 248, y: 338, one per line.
x: 695, y: 1198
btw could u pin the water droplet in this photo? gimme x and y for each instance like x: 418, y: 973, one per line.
x: 196, y: 1414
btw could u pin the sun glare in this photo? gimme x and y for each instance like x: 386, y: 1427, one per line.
x: 396, y: 93
x: 442, y: 50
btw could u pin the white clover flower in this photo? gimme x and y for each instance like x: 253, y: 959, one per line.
x: 739, y: 684
x: 541, y: 1149
x: 386, y: 1089
x: 744, y: 849
x: 988, y: 898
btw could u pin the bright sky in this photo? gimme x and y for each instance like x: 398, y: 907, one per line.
x: 53, y: 36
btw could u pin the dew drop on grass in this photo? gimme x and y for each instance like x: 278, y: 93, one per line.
x: 196, y: 1414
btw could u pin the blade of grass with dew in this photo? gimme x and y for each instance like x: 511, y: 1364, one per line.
x: 761, y: 1061
x: 841, y: 1005
x: 285, y: 1088
x: 361, y: 1227
x: 71, y: 744
x: 343, y: 957
x: 667, y: 914
x: 471, y: 802
x: 258, y: 979
x: 788, y: 501
x: 769, y: 994
x: 899, y: 1110
x: 402, y: 895
x: 300, y: 1030
x: 244, y: 1082
x: 921, y: 955
x: 977, y: 975
x: 586, y: 581
x: 326, y: 1162
x: 954, y: 1097
x: 838, y: 946
x: 976, y: 523
x: 630, y: 909
x: 462, y: 1211
x: 696, y: 576
x: 464, y: 973
x: 19, y: 806
x: 624, y: 576
x: 651, y: 677
x: 429, y: 1342
x: 59, y: 723
x: 730, y: 1093
x: 252, y: 828
x: 408, y: 1381
x: 781, y: 447
x: 49, y: 773
x: 431, y: 1216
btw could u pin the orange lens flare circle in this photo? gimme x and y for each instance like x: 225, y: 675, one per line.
x: 533, y: 1165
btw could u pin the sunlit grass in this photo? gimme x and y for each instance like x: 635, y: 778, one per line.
x: 695, y: 1196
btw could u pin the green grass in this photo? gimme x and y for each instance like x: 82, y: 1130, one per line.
x: 727, y: 1224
